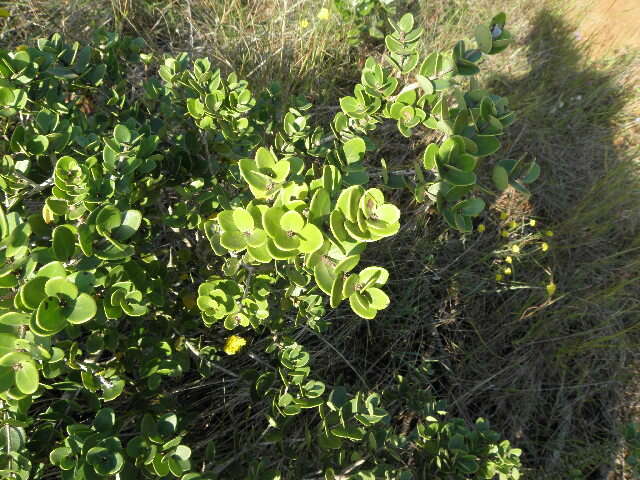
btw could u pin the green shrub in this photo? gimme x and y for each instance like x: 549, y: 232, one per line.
x: 123, y: 189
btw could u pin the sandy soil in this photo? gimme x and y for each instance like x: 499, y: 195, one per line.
x: 609, y: 25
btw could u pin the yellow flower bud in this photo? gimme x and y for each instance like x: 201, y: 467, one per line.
x: 549, y: 233
x: 532, y: 223
x: 304, y: 23
x: 508, y: 260
x: 323, y: 14
x: 481, y: 228
x: 551, y: 289
x: 515, y: 249
x: 504, y: 233
x: 544, y: 246
x: 503, y: 215
x: 499, y: 277
x: 507, y: 271
x: 233, y: 344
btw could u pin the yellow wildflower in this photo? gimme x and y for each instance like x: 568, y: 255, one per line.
x: 233, y: 344
x: 504, y: 233
x: 507, y: 271
x: 551, y: 288
x: 544, y: 246
x: 503, y: 215
x: 499, y: 277
x: 515, y: 249
x: 304, y: 23
x: 513, y: 224
x: 323, y: 14
x: 532, y: 223
x: 549, y: 233
x: 508, y: 260
x: 481, y: 228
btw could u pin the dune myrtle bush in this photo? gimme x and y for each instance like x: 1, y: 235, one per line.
x: 159, y: 216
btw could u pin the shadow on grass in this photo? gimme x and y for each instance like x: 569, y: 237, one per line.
x: 552, y: 375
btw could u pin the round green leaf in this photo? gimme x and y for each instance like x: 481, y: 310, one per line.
x: 354, y: 150
x: 286, y: 241
x: 360, y: 306
x: 32, y: 292
x: 105, y: 420
x: 471, y: 207
x: 258, y: 182
x: 49, y: 316
x: 324, y: 275
x: 377, y: 276
x: 60, y: 287
x: 122, y: 134
x: 379, y: 299
x: 7, y: 98
x: 38, y: 145
x: 265, y: 158
x: 62, y: 457
x: 483, y: 38
x: 105, y: 461
x: 311, y: 238
x: 243, y: 220
x: 64, y: 243
x: 532, y: 174
x: 108, y: 219
x: 130, y: 224
x: 26, y: 375
x: 113, y: 389
x: 336, y: 291
x: 271, y: 221
x: 14, y: 319
x: 183, y: 452
x: 233, y: 241
x: 291, y: 221
x: 52, y: 269
x: 500, y: 177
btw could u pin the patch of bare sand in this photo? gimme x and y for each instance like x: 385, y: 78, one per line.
x: 608, y: 26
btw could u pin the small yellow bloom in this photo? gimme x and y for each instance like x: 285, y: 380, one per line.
x: 499, y: 277
x: 504, y: 233
x: 532, y: 223
x: 323, y: 14
x: 544, y: 246
x: 507, y: 271
x: 233, y: 344
x: 481, y: 228
x: 551, y: 289
x: 508, y: 260
x: 304, y: 23
x: 549, y: 233
x: 503, y: 215
x: 515, y: 249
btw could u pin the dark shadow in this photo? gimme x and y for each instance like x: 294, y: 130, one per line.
x: 551, y: 375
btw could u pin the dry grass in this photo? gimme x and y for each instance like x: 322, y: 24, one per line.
x: 553, y: 375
